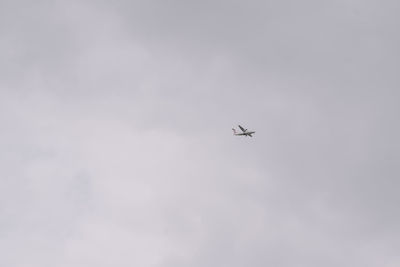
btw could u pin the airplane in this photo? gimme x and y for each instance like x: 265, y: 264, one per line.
x: 244, y: 132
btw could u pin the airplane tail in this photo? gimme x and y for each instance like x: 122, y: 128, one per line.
x: 234, y: 131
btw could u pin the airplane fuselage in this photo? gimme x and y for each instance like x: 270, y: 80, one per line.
x: 246, y: 133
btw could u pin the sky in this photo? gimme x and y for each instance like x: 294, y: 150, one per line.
x: 117, y: 148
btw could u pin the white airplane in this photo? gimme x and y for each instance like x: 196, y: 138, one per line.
x: 244, y: 132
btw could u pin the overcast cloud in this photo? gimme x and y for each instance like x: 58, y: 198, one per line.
x: 116, y: 142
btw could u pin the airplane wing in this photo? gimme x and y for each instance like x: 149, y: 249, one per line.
x: 243, y: 129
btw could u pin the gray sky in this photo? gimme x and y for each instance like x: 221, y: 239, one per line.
x: 116, y: 143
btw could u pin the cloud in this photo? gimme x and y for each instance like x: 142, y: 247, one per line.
x: 117, y: 146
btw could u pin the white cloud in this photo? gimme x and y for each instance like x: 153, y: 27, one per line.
x: 117, y: 148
